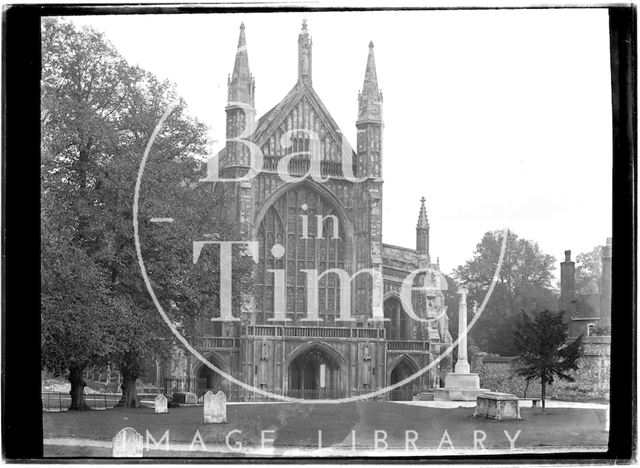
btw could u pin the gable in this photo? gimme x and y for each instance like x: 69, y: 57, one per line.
x: 300, y: 109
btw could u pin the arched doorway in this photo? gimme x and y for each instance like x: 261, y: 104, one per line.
x: 403, y: 369
x: 314, y: 374
x: 208, y: 379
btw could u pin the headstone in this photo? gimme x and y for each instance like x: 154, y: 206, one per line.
x: 127, y: 443
x: 215, y: 408
x: 161, y: 404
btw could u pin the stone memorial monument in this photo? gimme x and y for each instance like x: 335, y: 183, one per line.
x: 215, y: 408
x: 161, y: 405
x: 128, y: 443
x: 461, y: 385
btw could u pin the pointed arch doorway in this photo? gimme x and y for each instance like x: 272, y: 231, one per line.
x: 208, y: 379
x: 403, y: 368
x: 314, y: 373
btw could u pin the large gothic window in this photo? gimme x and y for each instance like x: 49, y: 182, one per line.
x: 284, y: 224
x: 398, y: 326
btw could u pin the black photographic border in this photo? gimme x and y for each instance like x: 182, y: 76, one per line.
x: 21, y: 398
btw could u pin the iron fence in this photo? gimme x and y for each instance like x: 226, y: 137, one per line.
x: 235, y: 393
x: 56, y: 401
x: 401, y: 394
x: 181, y: 385
x: 316, y: 394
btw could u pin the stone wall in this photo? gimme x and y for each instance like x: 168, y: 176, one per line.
x: 591, y: 378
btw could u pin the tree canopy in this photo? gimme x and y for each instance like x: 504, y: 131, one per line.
x: 544, y: 354
x: 589, y: 271
x: 98, y: 114
x: 524, y: 283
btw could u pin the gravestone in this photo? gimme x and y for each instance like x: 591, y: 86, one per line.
x: 161, y: 404
x: 215, y: 408
x: 127, y: 443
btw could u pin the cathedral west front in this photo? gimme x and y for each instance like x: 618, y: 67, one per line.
x: 307, y: 331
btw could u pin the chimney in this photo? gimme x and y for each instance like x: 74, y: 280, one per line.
x: 567, y: 303
x: 605, y: 285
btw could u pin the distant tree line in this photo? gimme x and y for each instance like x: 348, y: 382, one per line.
x: 524, y: 284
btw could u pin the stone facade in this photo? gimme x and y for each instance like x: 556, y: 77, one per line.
x: 312, y: 224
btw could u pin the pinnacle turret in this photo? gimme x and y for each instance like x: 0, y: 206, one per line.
x: 241, y: 83
x: 370, y: 98
x: 422, y: 230
x: 423, y: 221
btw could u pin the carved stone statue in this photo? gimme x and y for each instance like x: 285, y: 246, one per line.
x: 262, y: 366
x: 264, y: 355
x: 366, y: 365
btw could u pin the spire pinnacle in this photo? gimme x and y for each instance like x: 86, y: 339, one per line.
x: 423, y: 221
x: 370, y: 105
x: 241, y: 83
x: 422, y: 231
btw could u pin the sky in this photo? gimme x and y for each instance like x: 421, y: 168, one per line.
x: 499, y: 118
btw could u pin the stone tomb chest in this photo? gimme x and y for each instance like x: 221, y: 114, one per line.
x: 185, y: 398
x: 497, y: 406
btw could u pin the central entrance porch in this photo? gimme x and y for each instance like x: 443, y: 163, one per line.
x: 315, y: 373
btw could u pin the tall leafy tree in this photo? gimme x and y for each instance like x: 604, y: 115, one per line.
x: 524, y: 282
x: 98, y: 115
x: 544, y: 353
x: 589, y: 271
x: 74, y: 305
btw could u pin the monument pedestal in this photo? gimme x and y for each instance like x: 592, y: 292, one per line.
x: 459, y: 387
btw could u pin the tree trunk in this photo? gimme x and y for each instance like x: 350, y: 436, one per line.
x: 526, y: 387
x: 77, y: 389
x: 129, y: 392
x: 543, y: 394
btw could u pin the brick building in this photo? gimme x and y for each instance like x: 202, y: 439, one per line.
x: 332, y: 224
x: 586, y: 312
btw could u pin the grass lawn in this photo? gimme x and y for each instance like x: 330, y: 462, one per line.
x: 296, y: 425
